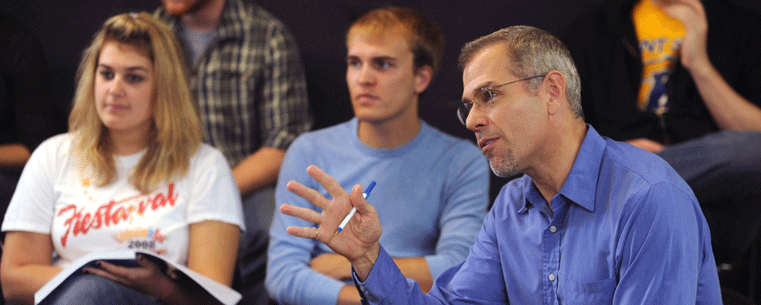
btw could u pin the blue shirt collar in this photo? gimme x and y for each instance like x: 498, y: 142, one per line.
x: 581, y: 184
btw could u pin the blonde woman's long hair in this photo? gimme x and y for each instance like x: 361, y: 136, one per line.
x: 176, y: 131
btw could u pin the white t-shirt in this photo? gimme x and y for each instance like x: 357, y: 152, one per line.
x: 55, y: 195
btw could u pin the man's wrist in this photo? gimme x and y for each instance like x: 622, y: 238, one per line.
x: 364, y: 264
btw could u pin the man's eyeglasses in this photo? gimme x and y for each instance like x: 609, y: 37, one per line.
x: 483, y: 99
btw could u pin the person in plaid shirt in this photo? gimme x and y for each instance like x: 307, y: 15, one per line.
x: 249, y: 82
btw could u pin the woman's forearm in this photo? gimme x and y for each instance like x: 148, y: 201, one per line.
x: 21, y: 282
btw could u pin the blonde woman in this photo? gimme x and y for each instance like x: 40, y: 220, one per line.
x: 130, y: 173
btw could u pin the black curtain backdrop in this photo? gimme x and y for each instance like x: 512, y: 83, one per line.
x: 66, y: 27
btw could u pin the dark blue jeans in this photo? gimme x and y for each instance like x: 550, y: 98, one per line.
x: 724, y: 171
x: 85, y: 289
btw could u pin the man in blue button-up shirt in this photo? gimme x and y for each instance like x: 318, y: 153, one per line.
x: 593, y: 221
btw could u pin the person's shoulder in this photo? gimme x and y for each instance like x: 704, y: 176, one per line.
x: 256, y: 9
x: 59, y: 139
x: 632, y: 157
x: 60, y: 142
x: 639, y: 181
x: 634, y: 161
x: 256, y: 13
x: 54, y: 150
x: 207, y: 155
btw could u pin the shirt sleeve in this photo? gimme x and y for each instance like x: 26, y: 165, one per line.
x: 464, y: 208
x: 214, y: 195
x: 284, y: 106
x: 471, y: 282
x: 289, y: 278
x: 386, y: 285
x: 33, y: 203
x: 659, y: 264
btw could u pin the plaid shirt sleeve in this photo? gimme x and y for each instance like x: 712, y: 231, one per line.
x: 285, y: 107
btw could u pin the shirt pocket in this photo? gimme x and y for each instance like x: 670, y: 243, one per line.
x: 597, y: 292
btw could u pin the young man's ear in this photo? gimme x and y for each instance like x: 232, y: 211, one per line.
x: 555, y: 88
x: 423, y: 77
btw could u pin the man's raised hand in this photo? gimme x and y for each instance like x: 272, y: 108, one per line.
x: 358, y: 241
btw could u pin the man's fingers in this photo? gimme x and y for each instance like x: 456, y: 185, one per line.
x: 330, y: 184
x: 303, y: 213
x: 363, y: 207
x: 309, y: 194
x: 305, y: 232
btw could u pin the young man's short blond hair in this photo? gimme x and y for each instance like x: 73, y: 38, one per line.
x: 424, y: 38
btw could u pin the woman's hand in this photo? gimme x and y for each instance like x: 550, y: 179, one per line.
x: 146, y: 277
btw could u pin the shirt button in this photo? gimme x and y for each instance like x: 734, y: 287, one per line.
x: 553, y: 229
x: 552, y: 277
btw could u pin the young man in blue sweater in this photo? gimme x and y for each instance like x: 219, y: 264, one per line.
x: 432, y: 188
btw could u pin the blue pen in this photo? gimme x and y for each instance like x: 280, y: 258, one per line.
x: 354, y: 210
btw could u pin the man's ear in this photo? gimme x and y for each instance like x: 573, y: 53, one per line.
x: 423, y: 77
x: 555, y: 88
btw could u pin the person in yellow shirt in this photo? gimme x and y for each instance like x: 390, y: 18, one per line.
x: 660, y: 37
x: 682, y: 79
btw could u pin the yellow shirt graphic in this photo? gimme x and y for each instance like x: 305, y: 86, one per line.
x: 660, y: 37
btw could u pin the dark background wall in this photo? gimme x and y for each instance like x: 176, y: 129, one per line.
x: 66, y: 27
